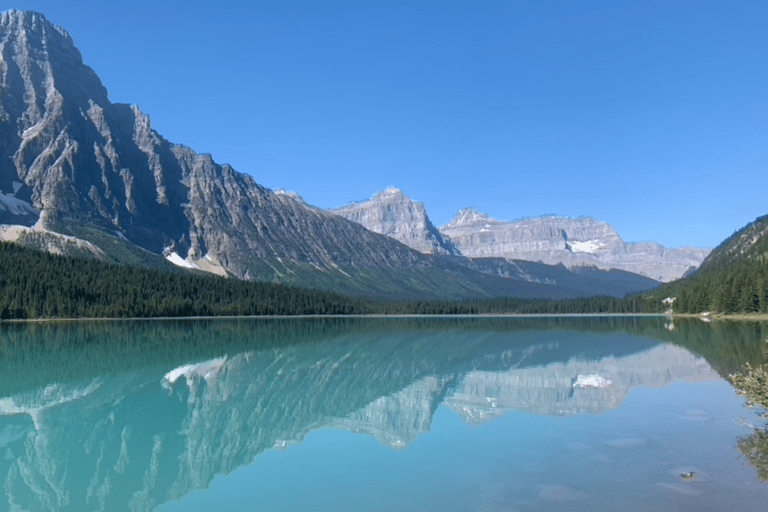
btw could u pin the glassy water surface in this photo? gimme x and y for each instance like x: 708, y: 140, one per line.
x: 479, y: 414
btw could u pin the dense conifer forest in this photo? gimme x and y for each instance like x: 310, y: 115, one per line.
x: 739, y: 288
x: 733, y: 279
x: 35, y: 284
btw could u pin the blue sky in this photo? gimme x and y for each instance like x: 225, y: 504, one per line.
x: 651, y: 115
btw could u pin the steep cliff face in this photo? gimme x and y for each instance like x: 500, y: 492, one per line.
x: 76, y: 157
x: 74, y: 163
x: 572, y: 242
x: 394, y: 214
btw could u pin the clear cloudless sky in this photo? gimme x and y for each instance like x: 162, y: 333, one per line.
x: 651, y: 115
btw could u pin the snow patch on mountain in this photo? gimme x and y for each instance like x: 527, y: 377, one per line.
x: 206, y: 264
x: 590, y: 246
x: 177, y: 260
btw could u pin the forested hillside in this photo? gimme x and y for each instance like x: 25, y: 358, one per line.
x: 733, y: 279
x: 35, y: 284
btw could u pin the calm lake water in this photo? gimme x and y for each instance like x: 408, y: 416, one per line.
x: 399, y: 414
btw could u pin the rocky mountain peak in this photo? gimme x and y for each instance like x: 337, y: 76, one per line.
x: 392, y: 213
x: 290, y: 193
x: 391, y: 192
x: 24, y: 22
x: 41, y: 49
x: 467, y: 217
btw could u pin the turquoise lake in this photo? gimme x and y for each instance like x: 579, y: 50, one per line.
x: 380, y: 414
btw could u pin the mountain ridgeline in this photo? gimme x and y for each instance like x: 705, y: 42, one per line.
x: 80, y: 175
x: 552, y: 240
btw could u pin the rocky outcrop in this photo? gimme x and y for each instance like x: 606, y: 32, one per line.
x: 573, y: 242
x: 397, y: 216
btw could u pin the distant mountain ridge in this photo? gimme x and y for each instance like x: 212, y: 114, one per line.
x: 79, y: 173
x: 570, y: 241
x: 553, y: 240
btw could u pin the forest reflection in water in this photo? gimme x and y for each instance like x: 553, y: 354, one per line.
x: 130, y: 415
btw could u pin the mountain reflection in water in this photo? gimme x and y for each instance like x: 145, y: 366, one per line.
x: 158, y: 409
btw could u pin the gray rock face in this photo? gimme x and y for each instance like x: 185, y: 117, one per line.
x: 394, y: 214
x: 77, y: 156
x: 73, y: 162
x: 572, y: 242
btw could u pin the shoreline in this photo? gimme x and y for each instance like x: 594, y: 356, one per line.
x: 706, y: 317
x: 283, y: 317
x: 757, y: 317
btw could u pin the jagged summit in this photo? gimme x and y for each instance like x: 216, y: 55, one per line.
x: 30, y: 20
x: 392, y: 213
x: 388, y: 193
x: 32, y: 39
x: 391, y: 191
x: 290, y: 193
x: 467, y: 216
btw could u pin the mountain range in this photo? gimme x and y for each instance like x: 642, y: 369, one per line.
x: 550, y: 239
x: 82, y: 175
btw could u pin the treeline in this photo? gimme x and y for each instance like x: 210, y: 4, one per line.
x: 733, y: 279
x: 36, y: 284
x: 595, y: 305
x: 740, y: 287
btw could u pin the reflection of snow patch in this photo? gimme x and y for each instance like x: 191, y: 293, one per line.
x: 173, y: 375
x: 206, y: 370
x: 591, y: 381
